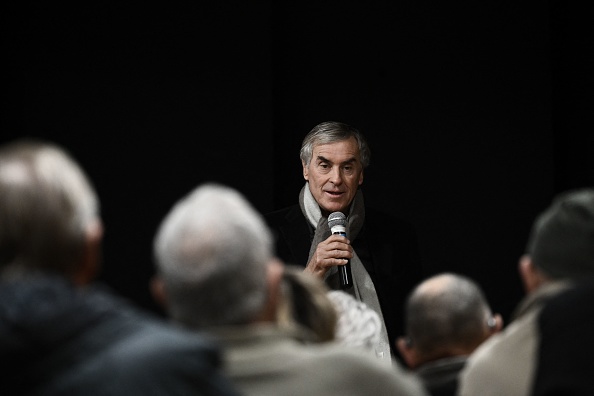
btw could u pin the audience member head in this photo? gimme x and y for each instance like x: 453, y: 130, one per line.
x: 215, y: 263
x: 561, y: 242
x: 305, y: 304
x: 49, y: 213
x: 358, y: 324
x: 445, y: 315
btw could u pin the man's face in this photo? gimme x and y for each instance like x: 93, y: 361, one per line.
x: 334, y: 174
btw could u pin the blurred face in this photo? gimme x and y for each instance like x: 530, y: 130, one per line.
x: 334, y: 175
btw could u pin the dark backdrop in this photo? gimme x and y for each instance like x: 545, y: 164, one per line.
x: 477, y: 113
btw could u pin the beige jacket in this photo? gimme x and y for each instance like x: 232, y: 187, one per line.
x: 265, y: 361
x: 505, y: 363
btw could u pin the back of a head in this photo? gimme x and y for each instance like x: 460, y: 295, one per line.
x: 561, y: 242
x: 47, y: 205
x: 305, y: 304
x: 212, y: 251
x: 358, y: 324
x: 330, y: 132
x: 446, y: 312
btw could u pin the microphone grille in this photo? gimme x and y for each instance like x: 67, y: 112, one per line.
x: 337, y: 218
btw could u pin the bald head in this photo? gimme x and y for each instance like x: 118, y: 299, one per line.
x: 446, y: 315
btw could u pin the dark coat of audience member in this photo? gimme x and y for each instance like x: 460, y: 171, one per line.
x: 61, y: 333
x: 566, y: 327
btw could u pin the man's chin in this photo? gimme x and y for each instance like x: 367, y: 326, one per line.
x: 327, y: 209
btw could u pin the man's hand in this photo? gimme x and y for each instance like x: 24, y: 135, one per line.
x: 336, y: 250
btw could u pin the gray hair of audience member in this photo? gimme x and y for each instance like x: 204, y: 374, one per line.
x: 305, y: 305
x: 47, y: 208
x: 358, y: 324
x: 561, y: 242
x: 212, y: 251
x: 444, y: 311
x: 331, y: 132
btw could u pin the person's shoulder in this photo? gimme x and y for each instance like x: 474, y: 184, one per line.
x: 518, y: 337
x: 114, y: 341
x: 502, y: 364
x: 276, y: 213
x: 479, y: 368
x: 562, y: 318
x: 366, y: 372
x: 163, y: 344
x: 282, y: 215
x: 565, y: 338
x: 157, y: 356
x: 282, y: 360
x: 133, y: 333
x: 567, y: 303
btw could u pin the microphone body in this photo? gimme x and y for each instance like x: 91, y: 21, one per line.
x: 337, y: 223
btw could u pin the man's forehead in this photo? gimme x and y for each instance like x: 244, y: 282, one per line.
x: 343, y: 149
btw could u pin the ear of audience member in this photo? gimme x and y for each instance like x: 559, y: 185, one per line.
x: 559, y: 253
x: 60, y: 332
x: 216, y: 271
x: 446, y: 317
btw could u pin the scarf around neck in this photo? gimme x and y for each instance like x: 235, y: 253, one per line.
x: 363, y: 288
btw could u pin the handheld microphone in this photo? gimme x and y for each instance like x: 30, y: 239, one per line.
x: 337, y: 222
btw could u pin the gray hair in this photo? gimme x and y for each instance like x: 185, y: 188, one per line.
x: 330, y: 132
x: 446, y: 310
x: 47, y: 204
x: 212, y: 251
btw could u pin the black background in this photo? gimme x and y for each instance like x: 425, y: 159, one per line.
x: 477, y: 113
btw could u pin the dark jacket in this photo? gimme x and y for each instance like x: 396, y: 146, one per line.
x: 440, y: 377
x: 566, y: 329
x: 386, y: 245
x: 56, y: 339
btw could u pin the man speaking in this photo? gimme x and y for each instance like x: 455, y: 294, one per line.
x: 382, y: 250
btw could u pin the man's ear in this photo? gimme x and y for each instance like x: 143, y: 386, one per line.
x: 531, y: 276
x: 407, y: 351
x: 305, y: 170
x: 90, y: 260
x: 274, y: 276
x: 158, y: 291
x: 499, y: 324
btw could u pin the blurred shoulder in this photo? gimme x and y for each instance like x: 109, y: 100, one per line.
x: 365, y: 374
x: 283, y: 214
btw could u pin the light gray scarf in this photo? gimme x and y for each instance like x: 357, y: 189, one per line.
x: 363, y: 288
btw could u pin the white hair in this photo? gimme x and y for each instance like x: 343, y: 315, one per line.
x: 212, y: 251
x: 47, y: 206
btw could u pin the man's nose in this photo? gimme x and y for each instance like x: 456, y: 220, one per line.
x: 336, y: 176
